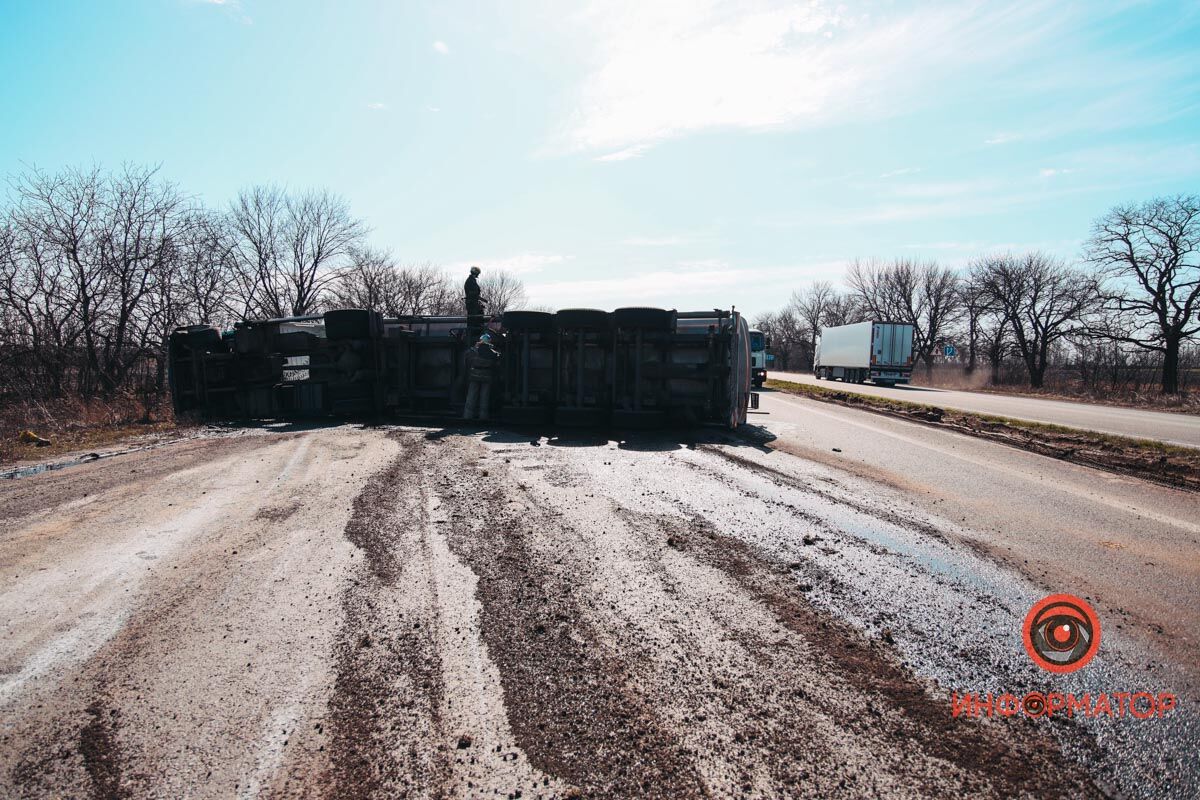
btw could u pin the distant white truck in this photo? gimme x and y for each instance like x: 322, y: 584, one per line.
x: 879, y: 351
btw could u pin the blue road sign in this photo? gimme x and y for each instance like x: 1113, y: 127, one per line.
x: 949, y: 351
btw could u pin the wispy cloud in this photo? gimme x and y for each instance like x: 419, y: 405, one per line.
x: 377, y: 106
x: 896, y: 173
x: 655, y: 241
x: 519, y: 264
x: 1002, y: 138
x: 663, y: 70
x: 1050, y: 172
x: 624, y: 155
x: 709, y: 283
x: 233, y: 7
x: 441, y: 47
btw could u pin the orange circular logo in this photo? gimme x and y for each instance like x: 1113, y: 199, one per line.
x: 1061, y: 633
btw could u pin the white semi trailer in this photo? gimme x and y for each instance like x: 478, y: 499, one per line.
x: 879, y: 351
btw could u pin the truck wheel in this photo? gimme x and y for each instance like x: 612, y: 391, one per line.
x: 527, y: 320
x: 591, y: 319
x: 349, y: 323
x: 649, y: 319
x: 202, y: 337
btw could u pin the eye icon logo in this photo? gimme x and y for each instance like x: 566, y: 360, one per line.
x: 1061, y: 633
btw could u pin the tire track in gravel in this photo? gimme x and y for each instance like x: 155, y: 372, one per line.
x: 767, y: 695
x: 101, y: 752
x: 418, y: 706
x: 216, y: 575
x: 568, y: 699
x: 1016, y: 759
x: 388, y: 691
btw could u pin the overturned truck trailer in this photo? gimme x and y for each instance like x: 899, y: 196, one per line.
x: 633, y: 367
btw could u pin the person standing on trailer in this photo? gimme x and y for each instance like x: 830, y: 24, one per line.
x: 474, y: 303
x: 482, y: 360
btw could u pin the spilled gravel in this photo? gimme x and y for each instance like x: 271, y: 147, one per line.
x: 408, y: 613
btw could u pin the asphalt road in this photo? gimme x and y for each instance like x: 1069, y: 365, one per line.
x: 1130, y: 547
x: 388, y: 611
x: 1182, y: 429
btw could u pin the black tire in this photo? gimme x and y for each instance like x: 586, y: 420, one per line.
x: 349, y: 323
x: 202, y: 337
x: 648, y: 319
x: 527, y: 320
x: 590, y: 319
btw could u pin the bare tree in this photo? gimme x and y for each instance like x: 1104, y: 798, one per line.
x: 1150, y: 255
x: 320, y: 231
x: 374, y: 280
x: 207, y: 269
x: 108, y: 242
x: 428, y: 289
x: 288, y: 247
x: 257, y: 219
x: 791, y: 339
x: 812, y: 306
x: 978, y: 307
x: 1042, y: 301
x: 843, y: 309
x: 502, y: 291
x: 371, y: 280
x: 923, y: 294
x: 40, y: 327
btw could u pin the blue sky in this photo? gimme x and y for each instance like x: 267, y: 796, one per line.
x: 688, y: 154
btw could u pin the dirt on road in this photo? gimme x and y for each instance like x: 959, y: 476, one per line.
x: 390, y: 612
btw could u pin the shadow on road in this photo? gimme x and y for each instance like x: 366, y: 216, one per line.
x: 642, y: 441
x: 662, y: 440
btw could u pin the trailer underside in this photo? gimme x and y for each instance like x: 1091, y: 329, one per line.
x: 633, y: 367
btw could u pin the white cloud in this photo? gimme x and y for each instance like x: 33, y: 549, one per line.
x: 665, y: 69
x: 683, y: 286
x: 1003, y: 138
x: 896, y: 173
x: 1050, y: 172
x: 233, y: 7
x: 519, y: 264
x: 624, y: 155
x: 441, y: 47
x: 654, y: 241
x: 377, y: 106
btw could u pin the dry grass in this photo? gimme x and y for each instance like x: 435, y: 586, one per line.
x: 1150, y: 459
x: 1149, y: 399
x: 75, y: 425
